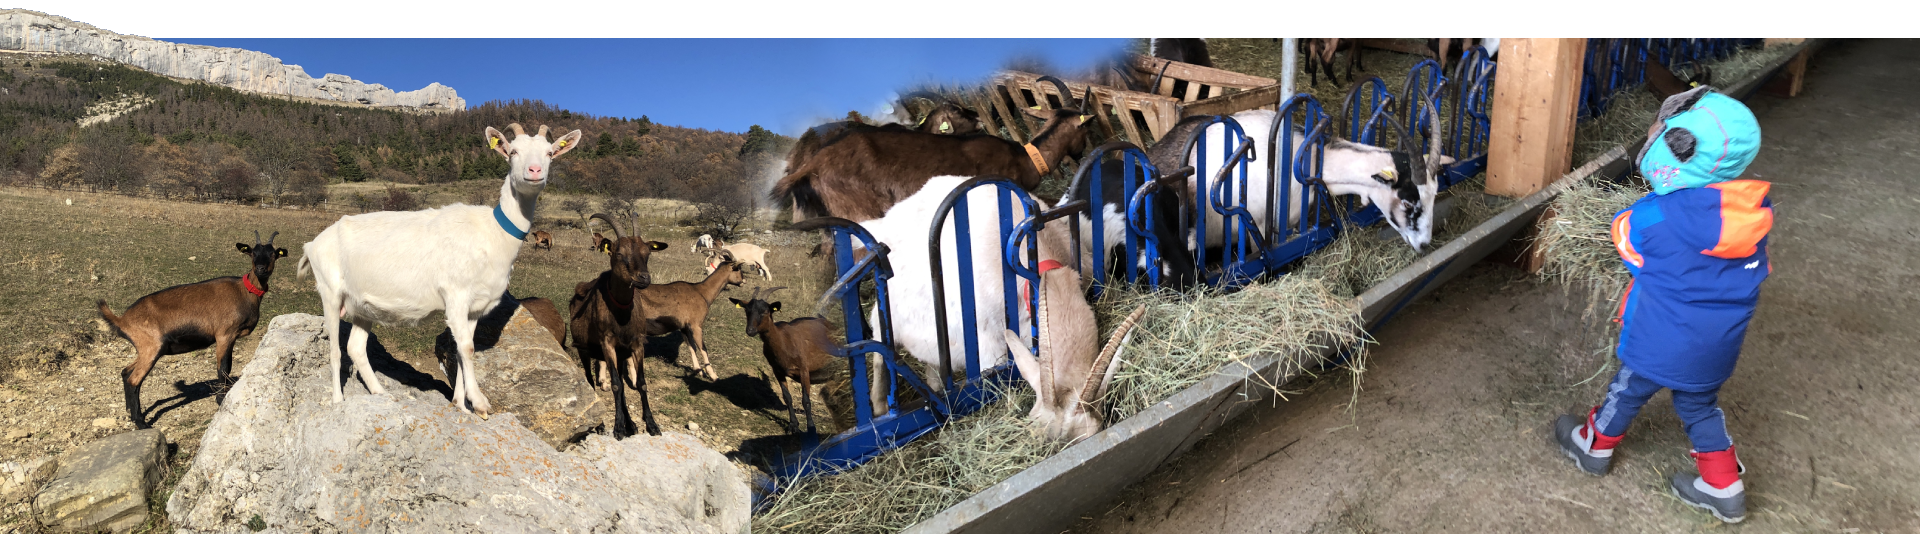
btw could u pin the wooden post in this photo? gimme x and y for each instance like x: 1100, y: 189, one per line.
x: 1534, y: 105
x: 1791, y: 78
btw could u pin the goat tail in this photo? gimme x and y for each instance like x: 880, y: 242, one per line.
x: 798, y: 186
x: 107, y: 315
x: 304, y: 268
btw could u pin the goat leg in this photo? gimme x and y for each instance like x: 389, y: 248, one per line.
x: 223, y: 347
x: 697, y: 340
x: 786, y: 397
x: 806, y: 399
x: 622, y: 420
x: 130, y: 379
x: 357, y: 349
x: 646, y: 408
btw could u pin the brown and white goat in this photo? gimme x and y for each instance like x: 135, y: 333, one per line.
x: 1065, y: 367
x: 797, y: 350
x: 743, y: 253
x: 865, y: 172
x: 608, y: 316
x: 186, y: 318
x: 541, y: 239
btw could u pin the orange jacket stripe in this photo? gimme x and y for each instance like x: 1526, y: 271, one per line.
x: 1622, y: 229
x: 1743, y: 221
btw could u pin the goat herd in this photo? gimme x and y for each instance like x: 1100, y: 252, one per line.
x: 394, y: 268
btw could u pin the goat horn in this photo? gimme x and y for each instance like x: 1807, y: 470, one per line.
x: 1433, y: 141
x: 1096, y: 374
x: 543, y: 131
x: 256, y: 237
x: 1085, y: 100
x: 517, y: 131
x: 930, y: 96
x: 276, y: 233
x: 610, y: 224
x: 1046, y: 336
x: 1066, y: 95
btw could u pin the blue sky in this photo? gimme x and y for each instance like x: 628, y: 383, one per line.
x: 723, y: 84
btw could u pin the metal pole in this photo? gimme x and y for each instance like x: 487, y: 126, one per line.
x: 1289, y: 57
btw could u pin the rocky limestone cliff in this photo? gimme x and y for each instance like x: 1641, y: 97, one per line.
x: 32, y: 31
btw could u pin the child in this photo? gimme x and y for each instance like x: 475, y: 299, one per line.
x: 1697, y: 249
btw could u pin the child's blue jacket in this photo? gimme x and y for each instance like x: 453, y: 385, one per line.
x: 1696, y: 246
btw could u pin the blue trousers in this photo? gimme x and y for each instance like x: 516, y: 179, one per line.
x: 1699, y: 411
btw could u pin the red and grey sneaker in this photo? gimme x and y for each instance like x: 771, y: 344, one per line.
x: 1590, y: 450
x: 1718, y: 488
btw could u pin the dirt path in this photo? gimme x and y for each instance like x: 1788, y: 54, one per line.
x: 1449, y: 434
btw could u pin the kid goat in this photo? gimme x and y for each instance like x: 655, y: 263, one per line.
x: 396, y: 267
x: 1065, y: 374
x: 186, y: 318
x: 798, y: 350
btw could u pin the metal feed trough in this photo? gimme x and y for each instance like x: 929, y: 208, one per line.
x: 1247, y: 253
x: 903, y: 421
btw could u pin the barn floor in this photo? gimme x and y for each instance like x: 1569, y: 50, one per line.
x: 1449, y: 434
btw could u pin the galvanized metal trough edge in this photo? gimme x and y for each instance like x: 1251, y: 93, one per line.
x: 1050, y: 496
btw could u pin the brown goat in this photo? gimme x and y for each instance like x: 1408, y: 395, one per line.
x: 682, y: 307
x: 607, y: 316
x: 548, y: 316
x: 541, y: 239
x: 186, y: 318
x: 946, y: 118
x: 864, y: 172
x: 798, y: 350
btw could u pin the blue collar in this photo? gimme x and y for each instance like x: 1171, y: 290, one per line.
x: 507, y: 224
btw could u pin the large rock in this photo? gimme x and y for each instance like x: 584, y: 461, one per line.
x: 246, y: 70
x: 282, y: 450
x: 103, y: 485
x: 524, y: 371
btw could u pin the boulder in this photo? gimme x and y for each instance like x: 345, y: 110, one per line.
x: 19, y: 480
x: 524, y: 371
x: 103, y: 485
x: 281, y: 450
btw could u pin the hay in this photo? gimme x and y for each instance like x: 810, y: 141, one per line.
x: 915, y: 482
x: 1361, y: 258
x: 1577, y: 243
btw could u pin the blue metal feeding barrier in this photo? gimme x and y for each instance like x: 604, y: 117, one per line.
x: 1422, y: 93
x: 971, y: 392
x: 873, y: 433
x: 1614, y: 65
x: 1225, y: 193
x: 1472, y: 92
x: 1367, y: 105
x: 1136, y: 171
x: 1315, y: 226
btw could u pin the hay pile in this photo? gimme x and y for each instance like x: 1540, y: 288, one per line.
x: 1362, y: 258
x: 1577, y: 243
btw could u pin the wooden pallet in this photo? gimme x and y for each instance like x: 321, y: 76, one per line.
x: 1000, y: 101
x: 1200, y: 81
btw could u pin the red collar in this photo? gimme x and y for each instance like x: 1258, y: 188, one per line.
x: 1048, y: 265
x: 246, y: 280
x: 615, y: 302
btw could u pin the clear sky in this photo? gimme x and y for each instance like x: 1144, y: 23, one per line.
x: 784, y: 85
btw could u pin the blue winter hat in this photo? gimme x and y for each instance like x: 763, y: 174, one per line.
x: 1705, y: 137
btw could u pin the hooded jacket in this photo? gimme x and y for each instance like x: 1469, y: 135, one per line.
x: 1696, y: 245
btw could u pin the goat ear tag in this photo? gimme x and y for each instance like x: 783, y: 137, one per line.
x: 775, y: 306
x: 243, y: 248
x: 280, y: 253
x: 606, y: 249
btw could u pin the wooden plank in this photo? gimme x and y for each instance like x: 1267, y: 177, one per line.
x: 1771, y: 41
x: 985, y: 109
x: 1533, y: 114
x: 1000, y: 106
x: 1100, y: 110
x: 1534, y: 100
x: 1196, y: 73
x: 1233, y: 103
x: 1792, y: 79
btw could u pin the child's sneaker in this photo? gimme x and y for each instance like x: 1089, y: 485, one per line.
x: 1718, y: 488
x: 1576, y: 438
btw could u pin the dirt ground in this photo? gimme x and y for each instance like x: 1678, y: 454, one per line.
x: 1450, y: 432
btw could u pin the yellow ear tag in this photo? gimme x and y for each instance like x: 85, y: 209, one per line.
x: 1388, y: 173
x: 563, y: 143
x: 946, y: 127
x: 493, y: 142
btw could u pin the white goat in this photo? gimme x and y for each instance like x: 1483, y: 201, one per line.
x: 742, y: 253
x: 1405, y: 194
x: 396, y: 267
x: 705, y: 241
x: 1064, y: 374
